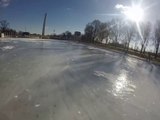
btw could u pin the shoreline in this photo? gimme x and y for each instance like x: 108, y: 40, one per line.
x: 101, y: 46
x: 97, y: 45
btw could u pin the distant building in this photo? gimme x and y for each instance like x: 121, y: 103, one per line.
x: 8, y: 33
x: 25, y: 34
x: 77, y: 35
x: 35, y: 35
x: 2, y: 35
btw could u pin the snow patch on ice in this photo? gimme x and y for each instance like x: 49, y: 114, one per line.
x: 7, y: 48
x: 16, y: 96
x: 37, y: 105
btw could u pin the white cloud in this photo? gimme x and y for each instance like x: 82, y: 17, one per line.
x: 124, y: 9
x: 4, y: 3
x: 121, y: 7
x: 118, y: 6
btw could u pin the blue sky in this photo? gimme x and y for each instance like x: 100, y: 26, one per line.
x: 63, y: 15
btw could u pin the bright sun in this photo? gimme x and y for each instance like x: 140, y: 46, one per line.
x: 134, y: 13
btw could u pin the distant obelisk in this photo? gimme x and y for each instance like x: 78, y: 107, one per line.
x: 44, y: 25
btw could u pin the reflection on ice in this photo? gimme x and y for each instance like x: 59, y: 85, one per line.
x: 121, y: 82
x: 123, y: 86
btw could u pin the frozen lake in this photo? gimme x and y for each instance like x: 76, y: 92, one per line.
x: 60, y: 80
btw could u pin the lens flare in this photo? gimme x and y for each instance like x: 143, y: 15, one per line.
x: 134, y: 13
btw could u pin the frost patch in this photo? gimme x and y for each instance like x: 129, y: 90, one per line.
x: 7, y: 48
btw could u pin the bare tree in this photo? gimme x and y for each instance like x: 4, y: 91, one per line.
x: 103, y: 32
x: 96, y: 25
x: 92, y: 30
x: 68, y: 35
x: 116, y: 30
x: 145, y: 34
x: 129, y: 33
x: 4, y: 25
x: 157, y: 37
x: 89, y: 33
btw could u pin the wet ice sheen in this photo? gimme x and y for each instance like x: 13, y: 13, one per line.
x: 121, y: 85
x: 62, y: 80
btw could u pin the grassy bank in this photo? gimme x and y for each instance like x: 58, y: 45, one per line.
x: 133, y: 53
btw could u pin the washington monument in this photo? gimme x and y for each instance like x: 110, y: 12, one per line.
x: 44, y: 25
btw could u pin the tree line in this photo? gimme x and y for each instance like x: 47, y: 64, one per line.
x: 5, y: 28
x: 122, y: 33
x: 9, y: 32
x: 116, y: 32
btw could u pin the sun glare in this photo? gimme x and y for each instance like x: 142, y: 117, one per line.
x: 134, y: 13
